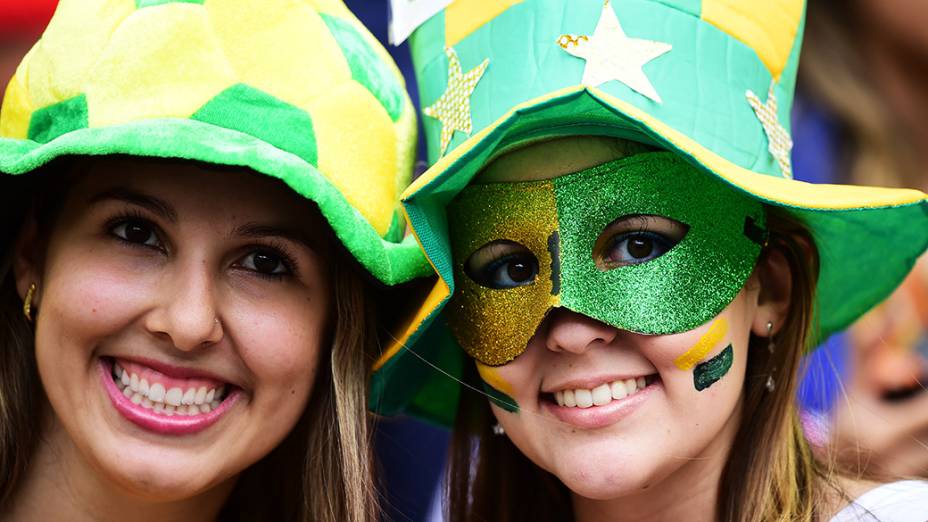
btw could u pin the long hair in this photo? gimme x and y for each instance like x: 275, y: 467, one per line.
x: 320, y: 472
x: 771, y: 473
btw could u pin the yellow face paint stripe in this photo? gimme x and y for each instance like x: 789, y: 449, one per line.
x: 463, y: 17
x: 768, y: 27
x: 704, y: 345
x: 491, y: 376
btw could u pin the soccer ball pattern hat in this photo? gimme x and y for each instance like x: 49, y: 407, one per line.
x: 294, y: 89
x: 710, y: 80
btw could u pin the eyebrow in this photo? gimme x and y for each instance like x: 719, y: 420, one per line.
x: 260, y: 231
x: 155, y: 205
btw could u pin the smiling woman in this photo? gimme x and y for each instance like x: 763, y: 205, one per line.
x: 188, y: 303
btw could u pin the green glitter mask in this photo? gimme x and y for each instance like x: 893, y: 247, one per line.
x: 553, y: 237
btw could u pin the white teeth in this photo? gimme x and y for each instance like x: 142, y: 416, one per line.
x: 124, y: 378
x: 174, y: 396
x: 159, y: 407
x: 143, y: 387
x: 200, y: 396
x: 189, y: 396
x: 214, y: 404
x: 569, y: 399
x: 584, y: 398
x: 146, y: 403
x: 209, y: 395
x: 169, y: 409
x: 134, y: 382
x: 127, y: 391
x: 205, y: 408
x: 156, y: 392
x: 601, y: 395
x: 136, y: 398
x: 618, y: 390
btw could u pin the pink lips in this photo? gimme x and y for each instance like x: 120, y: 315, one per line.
x: 601, y: 416
x: 157, y: 423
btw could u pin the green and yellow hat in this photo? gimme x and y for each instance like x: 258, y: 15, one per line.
x: 294, y: 89
x: 710, y: 80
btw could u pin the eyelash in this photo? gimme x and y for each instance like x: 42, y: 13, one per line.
x: 272, y: 247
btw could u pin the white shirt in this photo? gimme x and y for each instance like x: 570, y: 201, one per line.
x: 903, y: 501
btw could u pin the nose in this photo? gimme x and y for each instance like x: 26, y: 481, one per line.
x: 568, y: 331
x: 186, y: 312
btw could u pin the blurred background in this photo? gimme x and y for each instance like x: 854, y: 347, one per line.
x: 861, y: 116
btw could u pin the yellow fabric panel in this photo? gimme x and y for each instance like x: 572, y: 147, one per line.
x: 767, y: 26
x: 16, y: 111
x: 786, y: 191
x: 436, y: 297
x: 60, y: 62
x: 406, y: 131
x: 140, y: 76
x: 310, y: 66
x: 463, y: 17
x: 357, y: 150
x: 491, y: 376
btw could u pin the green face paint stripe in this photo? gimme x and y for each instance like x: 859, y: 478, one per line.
x: 709, y: 372
x: 501, y: 399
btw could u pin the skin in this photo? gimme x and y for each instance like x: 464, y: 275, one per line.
x: 197, y: 300
x: 663, y: 461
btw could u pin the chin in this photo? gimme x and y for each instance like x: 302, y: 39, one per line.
x: 605, y: 484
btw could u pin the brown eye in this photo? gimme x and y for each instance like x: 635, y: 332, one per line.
x: 502, y: 264
x: 520, y: 271
x: 640, y: 247
x: 265, y: 262
x: 136, y: 231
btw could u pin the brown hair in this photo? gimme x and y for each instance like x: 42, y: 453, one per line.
x: 320, y: 472
x: 771, y: 474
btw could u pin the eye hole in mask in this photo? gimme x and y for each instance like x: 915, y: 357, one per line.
x: 633, y: 240
x: 502, y: 264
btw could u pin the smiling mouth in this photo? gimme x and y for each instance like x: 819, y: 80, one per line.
x: 603, y: 394
x: 165, y: 395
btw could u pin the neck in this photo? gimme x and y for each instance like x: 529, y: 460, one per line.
x: 689, y: 492
x: 61, y: 485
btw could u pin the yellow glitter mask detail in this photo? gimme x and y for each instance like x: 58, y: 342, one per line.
x: 494, y: 327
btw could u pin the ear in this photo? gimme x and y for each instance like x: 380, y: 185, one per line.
x: 776, y: 288
x: 26, y: 256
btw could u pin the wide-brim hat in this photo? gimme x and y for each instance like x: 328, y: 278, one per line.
x: 298, y: 91
x: 711, y: 80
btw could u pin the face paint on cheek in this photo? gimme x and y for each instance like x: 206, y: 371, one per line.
x: 709, y: 372
x: 704, y: 345
x: 497, y: 388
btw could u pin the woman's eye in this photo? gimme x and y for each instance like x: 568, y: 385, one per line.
x: 633, y: 248
x: 265, y: 262
x: 138, y: 232
x: 507, y: 272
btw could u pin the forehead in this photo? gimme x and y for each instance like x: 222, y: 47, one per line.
x: 552, y: 158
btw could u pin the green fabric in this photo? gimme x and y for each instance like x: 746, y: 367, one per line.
x: 501, y: 399
x: 532, y: 65
x: 150, y: 3
x: 63, y: 117
x: 391, y: 263
x: 366, y: 66
x: 246, y: 109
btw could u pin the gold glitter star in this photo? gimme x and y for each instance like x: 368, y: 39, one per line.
x: 778, y: 141
x: 453, y: 108
x: 611, y: 55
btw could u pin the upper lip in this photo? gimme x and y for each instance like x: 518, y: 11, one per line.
x: 588, y: 383
x: 177, y: 372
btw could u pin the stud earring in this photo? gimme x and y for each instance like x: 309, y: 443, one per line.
x: 770, y: 384
x: 498, y: 430
x: 27, y: 302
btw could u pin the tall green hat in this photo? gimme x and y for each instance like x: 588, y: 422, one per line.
x: 294, y: 89
x: 710, y: 80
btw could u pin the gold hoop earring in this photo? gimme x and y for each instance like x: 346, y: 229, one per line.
x: 27, y: 302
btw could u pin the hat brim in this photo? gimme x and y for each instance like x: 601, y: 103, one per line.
x: 868, y: 238
x: 390, y: 262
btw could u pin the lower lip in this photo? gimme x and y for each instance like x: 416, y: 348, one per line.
x: 161, y: 424
x: 601, y: 416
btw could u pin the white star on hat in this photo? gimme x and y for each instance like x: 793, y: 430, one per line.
x: 611, y: 55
